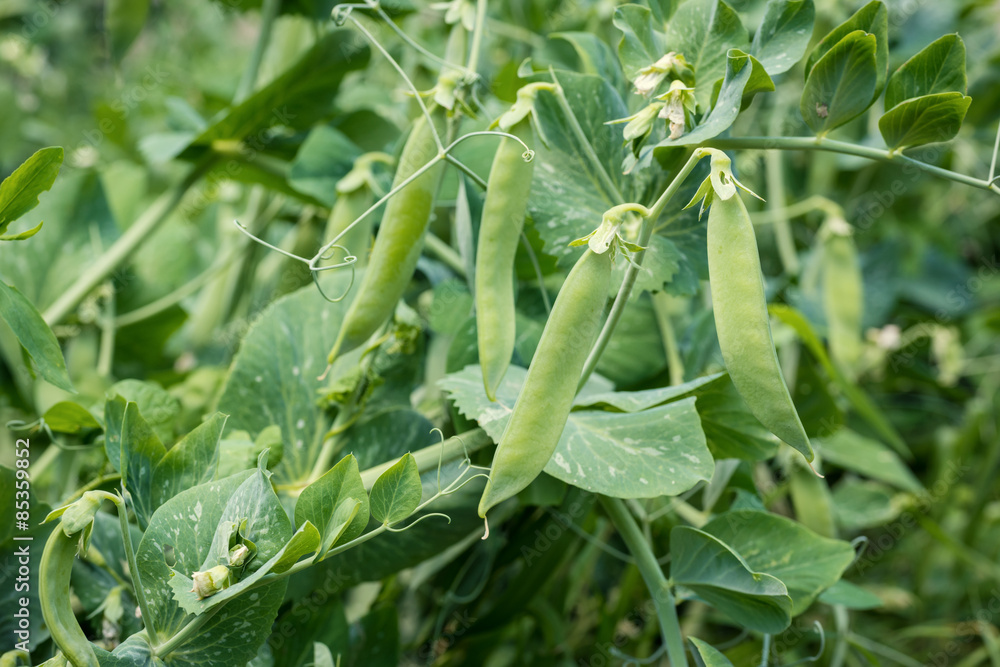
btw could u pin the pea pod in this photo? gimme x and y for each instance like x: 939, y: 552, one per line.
x: 399, y: 241
x: 546, y: 397
x: 742, y: 322
x: 54, y: 595
x: 499, y: 233
x: 843, y: 293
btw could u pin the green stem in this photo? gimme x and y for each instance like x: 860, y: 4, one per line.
x: 185, y: 634
x: 268, y: 12
x: 133, y: 570
x: 428, y: 457
x: 122, y: 249
x: 632, y: 271
x: 445, y: 253
x: 649, y: 568
x: 477, y: 36
x: 807, y: 205
x: 584, y: 141
x: 833, y: 146
x: 661, y: 303
x: 106, y: 355
x: 776, y: 205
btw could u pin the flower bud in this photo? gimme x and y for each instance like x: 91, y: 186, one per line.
x: 210, y: 582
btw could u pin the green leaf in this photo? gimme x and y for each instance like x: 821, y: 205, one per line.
x: 19, y: 191
x: 715, y: 572
x: 185, y: 527
x: 397, y: 491
x: 273, y: 379
x: 850, y: 595
x: 641, y: 44
x: 35, y: 336
x: 744, y: 77
x: 68, y: 417
x: 938, y: 68
x: 158, y: 407
x: 325, y: 157
x: 324, y: 501
x: 141, y: 452
x: 192, y: 461
x: 114, y: 415
x: 26, y: 234
x: 862, y: 504
x: 851, y: 451
x: 644, y: 453
x: 299, y: 96
x: 635, y: 401
x: 805, y: 562
x: 596, y: 57
x: 703, y: 31
x: 706, y: 655
x: 784, y: 34
x: 841, y: 83
x: 924, y: 120
x: 873, y: 18
x: 123, y: 21
x: 322, y: 657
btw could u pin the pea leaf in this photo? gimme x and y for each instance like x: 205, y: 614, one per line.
x: 924, y: 120
x: 716, y: 573
x: 841, y: 83
x: 644, y: 453
x: 937, y: 68
x: 850, y: 595
x: 325, y: 501
x: 273, y: 379
x: 396, y: 493
x: 69, y: 417
x: 19, y: 191
x: 784, y: 34
x: 703, y: 31
x: 851, y: 451
x: 157, y: 406
x: 641, y: 44
x: 596, y: 57
x: 192, y: 461
x: 185, y: 526
x: 873, y: 18
x: 707, y: 655
x: 141, y: 451
x: 806, y: 563
x: 35, y: 336
x: 323, y: 159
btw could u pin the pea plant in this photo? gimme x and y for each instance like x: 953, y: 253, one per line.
x: 501, y: 333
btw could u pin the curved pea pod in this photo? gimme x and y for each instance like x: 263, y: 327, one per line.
x: 742, y: 323
x: 54, y: 594
x: 348, y: 207
x: 843, y: 294
x: 546, y: 397
x: 499, y: 233
x: 400, y: 239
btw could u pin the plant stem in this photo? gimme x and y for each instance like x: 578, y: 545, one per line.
x: 477, y: 36
x: 122, y: 249
x: 428, y: 457
x: 133, y: 570
x: 649, y: 568
x: 807, y: 205
x: 185, y: 634
x: 632, y: 271
x: 661, y: 309
x: 268, y: 12
x: 833, y: 146
x: 445, y: 253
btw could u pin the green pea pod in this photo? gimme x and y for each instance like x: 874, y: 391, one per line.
x: 399, y: 242
x: 499, y: 233
x: 843, y: 295
x: 546, y: 397
x: 54, y: 595
x: 346, y: 209
x: 742, y: 323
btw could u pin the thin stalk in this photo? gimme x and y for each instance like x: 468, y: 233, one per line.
x: 133, y: 570
x: 776, y: 205
x: 477, y: 36
x: 106, y: 355
x: 373, y: 4
x: 538, y: 272
x: 584, y: 141
x: 833, y: 146
x: 185, y: 634
x: 467, y: 170
x: 807, y: 205
x: 122, y: 249
x: 445, y: 253
x: 656, y: 582
x: 993, y: 160
x: 632, y: 271
x: 674, y: 362
x: 429, y: 457
x: 268, y: 12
